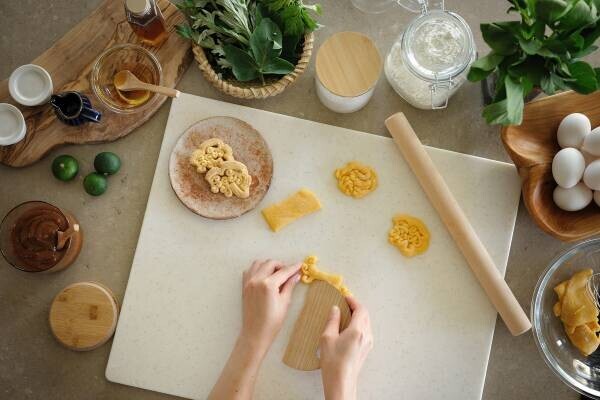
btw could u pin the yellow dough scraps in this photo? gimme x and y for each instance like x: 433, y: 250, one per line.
x: 231, y: 178
x: 578, y: 312
x: 298, y: 205
x: 409, y: 235
x: 211, y: 153
x: 356, y: 179
x: 310, y: 273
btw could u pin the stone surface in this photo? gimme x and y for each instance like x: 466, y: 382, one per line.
x: 33, y: 365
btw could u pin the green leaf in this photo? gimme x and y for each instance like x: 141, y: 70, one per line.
x: 531, y: 46
x: 501, y: 41
x: 484, y: 66
x: 584, y: 77
x: 265, y: 41
x: 579, y: 16
x: 533, y: 68
x: 496, y: 113
x: 549, y: 11
x: 514, y: 101
x: 547, y: 84
x: 585, y: 52
x: 590, y: 35
x: 184, y: 31
x: 292, y: 20
x: 509, y: 110
x: 277, y: 66
x: 242, y: 64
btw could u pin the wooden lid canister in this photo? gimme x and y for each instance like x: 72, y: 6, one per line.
x: 83, y: 316
x: 348, y: 64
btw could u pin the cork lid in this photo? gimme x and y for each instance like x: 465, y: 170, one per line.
x: 83, y: 316
x: 348, y: 64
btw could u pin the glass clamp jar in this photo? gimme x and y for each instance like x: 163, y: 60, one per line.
x: 431, y: 58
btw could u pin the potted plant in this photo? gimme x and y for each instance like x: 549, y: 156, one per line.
x: 542, y: 52
x: 250, y: 48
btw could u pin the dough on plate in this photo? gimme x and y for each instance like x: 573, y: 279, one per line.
x: 356, y: 179
x: 211, y: 153
x: 231, y: 178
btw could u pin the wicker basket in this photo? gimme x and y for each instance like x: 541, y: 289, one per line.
x: 251, y: 90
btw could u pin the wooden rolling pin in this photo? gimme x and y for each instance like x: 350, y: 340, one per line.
x: 457, y: 224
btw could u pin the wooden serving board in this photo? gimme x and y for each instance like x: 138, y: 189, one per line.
x: 69, y: 62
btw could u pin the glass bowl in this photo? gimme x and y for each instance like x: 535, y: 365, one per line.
x: 577, y: 371
x: 28, y: 237
x: 136, y: 59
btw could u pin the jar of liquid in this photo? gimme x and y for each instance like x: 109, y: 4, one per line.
x: 146, y: 21
x: 431, y: 58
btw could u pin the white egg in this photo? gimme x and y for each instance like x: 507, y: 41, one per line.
x: 573, y: 199
x: 591, y: 176
x: 597, y: 198
x: 591, y: 143
x: 572, y: 130
x: 588, y: 157
x: 567, y: 167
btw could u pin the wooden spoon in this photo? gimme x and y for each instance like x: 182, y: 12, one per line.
x: 125, y: 81
x: 63, y: 236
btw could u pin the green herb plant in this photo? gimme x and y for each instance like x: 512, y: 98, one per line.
x: 543, y: 50
x: 249, y: 39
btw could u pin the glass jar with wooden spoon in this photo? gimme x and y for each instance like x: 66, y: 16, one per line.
x: 134, y: 91
x: 36, y: 236
x: 126, y: 57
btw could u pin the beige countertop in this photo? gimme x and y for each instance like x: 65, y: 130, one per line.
x: 34, y: 366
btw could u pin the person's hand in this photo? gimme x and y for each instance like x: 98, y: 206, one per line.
x: 266, y: 294
x: 343, y: 354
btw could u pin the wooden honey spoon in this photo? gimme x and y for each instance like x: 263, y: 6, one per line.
x: 63, y: 236
x: 126, y: 81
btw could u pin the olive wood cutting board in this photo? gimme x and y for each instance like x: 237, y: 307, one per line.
x: 70, y: 60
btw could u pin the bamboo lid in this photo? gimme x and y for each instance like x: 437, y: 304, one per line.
x: 348, y: 64
x: 83, y: 316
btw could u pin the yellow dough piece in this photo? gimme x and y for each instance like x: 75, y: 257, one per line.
x: 211, y: 153
x: 409, y: 235
x: 578, y: 312
x: 310, y: 273
x: 356, y: 179
x: 298, y: 205
x: 231, y: 178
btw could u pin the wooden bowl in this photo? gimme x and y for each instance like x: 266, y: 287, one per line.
x: 532, y: 146
x: 253, y: 90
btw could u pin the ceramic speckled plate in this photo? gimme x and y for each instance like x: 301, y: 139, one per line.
x: 248, y: 146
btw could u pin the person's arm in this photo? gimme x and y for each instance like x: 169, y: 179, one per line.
x: 266, y: 293
x: 343, y: 354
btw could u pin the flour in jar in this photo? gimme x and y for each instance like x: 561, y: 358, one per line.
x: 438, y: 46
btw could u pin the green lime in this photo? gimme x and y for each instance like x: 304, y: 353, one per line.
x: 65, y: 167
x: 107, y: 163
x: 95, y: 184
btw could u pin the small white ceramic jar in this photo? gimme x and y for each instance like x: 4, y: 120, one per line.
x: 12, y: 125
x: 347, y: 69
x: 30, y: 85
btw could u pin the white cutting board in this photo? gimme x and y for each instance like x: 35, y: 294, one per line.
x: 432, y: 323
